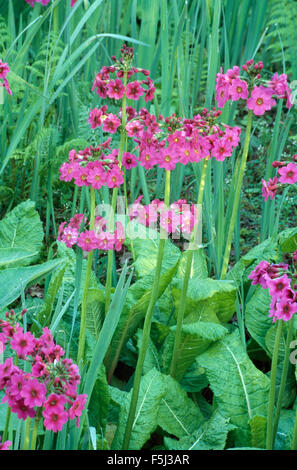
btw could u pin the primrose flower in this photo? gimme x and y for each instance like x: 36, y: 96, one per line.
x: 4, y: 445
x: 261, y: 100
x: 288, y: 173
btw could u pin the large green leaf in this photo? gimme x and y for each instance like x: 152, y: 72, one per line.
x: 21, y: 229
x: 257, y: 317
x: 152, y: 390
x: 258, y: 425
x: 195, y: 339
x: 135, y: 308
x: 152, y: 359
x: 178, y: 415
x: 207, y: 299
x: 211, y: 435
x: 199, y: 266
x: 13, y: 281
x: 240, y: 389
x: 146, y: 250
x: 99, y: 402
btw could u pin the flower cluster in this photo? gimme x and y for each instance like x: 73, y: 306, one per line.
x: 87, y: 240
x: 45, y: 2
x: 4, y: 69
x: 288, y: 175
x: 174, y: 140
x: 49, y: 390
x: 281, y: 288
x: 258, y: 94
x: 178, y: 217
x: 94, y: 167
x: 114, y: 88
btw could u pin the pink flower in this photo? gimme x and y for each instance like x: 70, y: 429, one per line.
x: 134, y: 91
x: 278, y: 285
x: 119, y: 236
x: 4, y: 69
x: 269, y: 189
x: 285, y: 309
x: 115, y: 89
x: 68, y: 170
x: 134, y: 128
x: 221, y: 149
x: 77, y: 408
x: 54, y: 403
x: 222, y: 95
x: 97, y: 177
x: 4, y: 445
x: 238, y: 89
x: 54, y: 420
x: 261, y: 100
x: 87, y: 240
x: 168, y: 158
x: 33, y: 393
x: 169, y: 220
x: 95, y: 118
x: 114, y: 177
x: 129, y: 160
x: 288, y: 173
x: 70, y: 236
x: 105, y: 241
x: 111, y: 123
x: 101, y: 87
x: 23, y: 411
x: 23, y: 343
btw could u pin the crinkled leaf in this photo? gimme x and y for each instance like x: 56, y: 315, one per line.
x: 195, y: 339
x: 22, y: 229
x: 207, y: 298
x: 14, y: 280
x: 257, y: 317
x: 258, y: 425
x: 178, y: 415
x: 240, y: 389
x: 152, y: 389
x: 211, y: 435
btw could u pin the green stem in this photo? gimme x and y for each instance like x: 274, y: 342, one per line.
x: 114, y: 200
x: 237, y: 195
x: 189, y: 260
x: 283, y: 378
x: 146, y: 327
x: 27, y: 433
x: 271, y: 400
x: 82, y: 333
x: 7, y: 421
x: 34, y: 433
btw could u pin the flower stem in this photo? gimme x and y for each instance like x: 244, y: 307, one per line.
x: 82, y: 333
x: 146, y: 327
x: 283, y: 378
x: 7, y: 421
x: 114, y: 199
x: 271, y: 400
x: 34, y: 433
x: 182, y: 303
x: 237, y: 195
x: 27, y: 433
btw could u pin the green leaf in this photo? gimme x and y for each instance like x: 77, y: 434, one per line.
x: 95, y: 311
x: 178, y: 415
x: 99, y: 402
x: 240, y: 389
x: 284, y: 435
x: 207, y: 299
x: 258, y: 425
x: 152, y: 390
x: 288, y: 240
x: 211, y: 435
x: 195, y: 339
x: 51, y: 294
x: 134, y: 311
x: 21, y: 229
x: 16, y: 256
x: 146, y: 250
x: 13, y: 281
x: 257, y: 317
x: 199, y: 266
